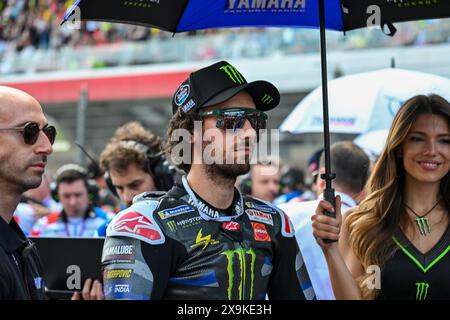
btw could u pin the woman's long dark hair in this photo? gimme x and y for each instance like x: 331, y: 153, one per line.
x: 372, y: 225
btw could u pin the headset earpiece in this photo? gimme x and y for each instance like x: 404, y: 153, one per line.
x: 93, y: 192
x: 246, y: 184
x: 164, y: 173
x: 92, y: 188
x: 161, y: 171
x: 110, y: 184
x: 54, y: 191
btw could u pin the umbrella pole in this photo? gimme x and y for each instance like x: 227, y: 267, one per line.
x: 328, y: 193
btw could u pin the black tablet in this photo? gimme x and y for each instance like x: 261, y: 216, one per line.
x: 68, y: 262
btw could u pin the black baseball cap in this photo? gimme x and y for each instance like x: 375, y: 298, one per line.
x: 219, y: 82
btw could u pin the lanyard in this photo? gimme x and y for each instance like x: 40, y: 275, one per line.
x: 83, y: 227
x: 21, y: 268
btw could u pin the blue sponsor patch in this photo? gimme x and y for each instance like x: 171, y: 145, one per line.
x: 117, y: 290
x: 267, y: 267
x: 268, y: 261
x: 206, y: 280
x: 260, y: 207
x: 188, y: 106
x: 164, y: 214
x: 39, y: 283
x: 182, y: 94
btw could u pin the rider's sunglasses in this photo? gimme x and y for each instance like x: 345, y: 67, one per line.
x: 30, y: 132
x: 235, y: 118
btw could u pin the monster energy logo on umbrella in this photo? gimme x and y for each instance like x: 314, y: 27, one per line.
x: 242, y: 260
x: 422, y: 290
x: 413, y: 3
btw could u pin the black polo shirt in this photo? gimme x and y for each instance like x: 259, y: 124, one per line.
x: 20, y: 267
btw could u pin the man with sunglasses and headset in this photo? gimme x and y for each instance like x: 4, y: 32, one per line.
x: 203, y: 239
x: 26, y: 141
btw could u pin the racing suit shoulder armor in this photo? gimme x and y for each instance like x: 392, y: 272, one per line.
x: 138, y: 222
x: 152, y: 195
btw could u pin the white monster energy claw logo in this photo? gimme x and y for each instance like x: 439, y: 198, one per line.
x: 234, y: 75
x: 424, y: 225
x: 422, y: 290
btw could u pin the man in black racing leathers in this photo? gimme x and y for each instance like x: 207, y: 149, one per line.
x: 203, y: 239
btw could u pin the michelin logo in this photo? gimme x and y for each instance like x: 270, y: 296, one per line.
x: 164, y: 214
x: 260, y: 207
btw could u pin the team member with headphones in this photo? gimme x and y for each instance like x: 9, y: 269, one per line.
x: 133, y: 163
x: 77, y: 195
x: 262, y: 181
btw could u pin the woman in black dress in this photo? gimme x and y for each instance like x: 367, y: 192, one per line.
x: 396, y: 243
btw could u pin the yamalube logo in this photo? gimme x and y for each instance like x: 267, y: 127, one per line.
x: 182, y: 94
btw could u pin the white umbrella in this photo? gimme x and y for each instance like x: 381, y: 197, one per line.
x: 372, y: 142
x: 363, y: 102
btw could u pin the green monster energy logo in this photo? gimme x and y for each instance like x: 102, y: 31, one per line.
x: 424, y: 226
x: 172, y: 226
x: 139, y: 3
x: 414, y: 3
x: 234, y: 75
x: 239, y: 257
x: 267, y: 99
x: 422, y: 290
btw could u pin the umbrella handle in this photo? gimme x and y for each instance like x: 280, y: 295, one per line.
x: 328, y: 195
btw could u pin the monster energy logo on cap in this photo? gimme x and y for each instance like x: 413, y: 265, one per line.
x: 234, y: 74
x: 217, y: 83
x: 242, y: 260
x: 422, y: 290
x: 266, y: 99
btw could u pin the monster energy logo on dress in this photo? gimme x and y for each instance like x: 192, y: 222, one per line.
x: 422, y: 220
x: 241, y: 273
x: 424, y: 225
x: 234, y: 75
x: 422, y: 290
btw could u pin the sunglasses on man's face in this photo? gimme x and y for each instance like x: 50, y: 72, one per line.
x: 30, y: 132
x: 235, y: 118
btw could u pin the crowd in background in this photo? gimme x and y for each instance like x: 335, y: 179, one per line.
x: 35, y: 24
x: 31, y: 28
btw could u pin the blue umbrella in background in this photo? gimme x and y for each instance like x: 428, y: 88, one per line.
x: 341, y: 15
